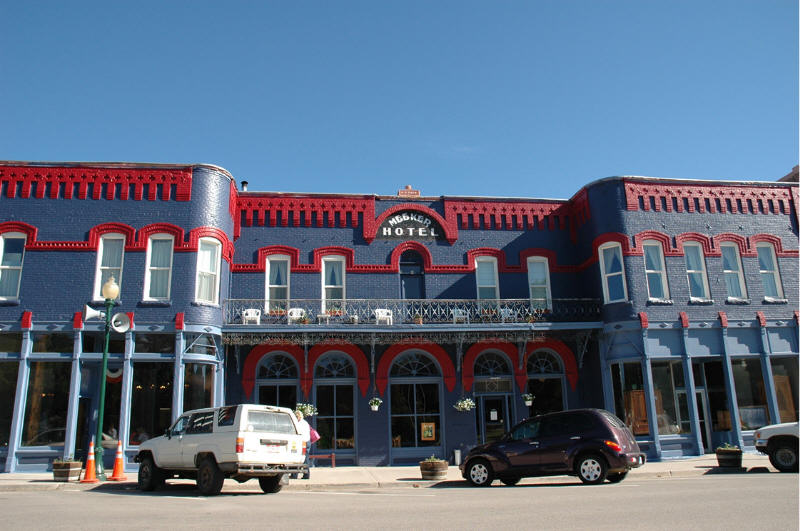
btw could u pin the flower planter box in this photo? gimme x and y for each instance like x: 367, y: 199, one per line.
x: 433, y: 470
x: 68, y: 471
x: 729, y: 458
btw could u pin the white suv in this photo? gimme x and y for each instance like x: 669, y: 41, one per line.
x: 241, y: 442
x: 779, y: 442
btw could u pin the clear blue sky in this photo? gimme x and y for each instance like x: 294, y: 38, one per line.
x: 492, y: 98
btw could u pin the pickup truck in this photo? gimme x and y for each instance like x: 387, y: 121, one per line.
x: 241, y: 442
x: 779, y: 442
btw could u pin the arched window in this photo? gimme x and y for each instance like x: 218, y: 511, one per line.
x: 277, y: 380
x: 493, y: 373
x: 545, y: 382
x: 415, y: 406
x: 334, y: 389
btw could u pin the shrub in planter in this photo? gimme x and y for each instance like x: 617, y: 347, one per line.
x: 729, y: 456
x: 67, y: 470
x: 433, y: 468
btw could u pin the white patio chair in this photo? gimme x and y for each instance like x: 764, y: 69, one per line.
x: 251, y: 316
x: 295, y: 315
x: 460, y: 315
x: 382, y: 315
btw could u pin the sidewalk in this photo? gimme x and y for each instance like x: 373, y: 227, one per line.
x: 345, y: 477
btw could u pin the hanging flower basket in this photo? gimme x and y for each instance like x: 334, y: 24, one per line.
x: 528, y: 399
x: 308, y: 410
x: 375, y: 403
x: 465, y: 404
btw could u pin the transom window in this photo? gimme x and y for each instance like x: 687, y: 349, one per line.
x: 12, y: 251
x: 159, y: 267
x: 543, y: 362
x: 613, y: 273
x: 277, y: 283
x: 110, y: 253
x: 486, y: 277
x: 768, y: 269
x: 539, y: 282
x: 208, y: 262
x: 696, y: 270
x: 732, y: 269
x: 414, y: 364
x: 335, y: 366
x: 655, y: 270
x: 277, y: 377
x: 277, y: 366
x: 492, y: 364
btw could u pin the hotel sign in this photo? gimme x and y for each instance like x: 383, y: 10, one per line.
x: 409, y: 225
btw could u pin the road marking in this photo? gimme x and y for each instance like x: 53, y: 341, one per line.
x: 368, y: 494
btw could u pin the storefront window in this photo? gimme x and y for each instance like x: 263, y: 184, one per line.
x: 670, y: 398
x: 52, y: 342
x: 154, y: 343
x: 750, y: 394
x: 714, y: 379
x: 784, y: 374
x: 151, y: 401
x: 11, y: 343
x: 334, y: 376
x: 46, y: 405
x: 545, y: 383
x: 277, y: 379
x: 198, y: 386
x: 629, y: 398
x: 8, y: 388
x: 93, y: 342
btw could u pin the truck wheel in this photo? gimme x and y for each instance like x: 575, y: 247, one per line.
x: 150, y: 476
x: 271, y: 484
x: 784, y: 457
x: 209, y: 477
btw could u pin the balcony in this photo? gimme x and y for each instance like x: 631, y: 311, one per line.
x: 416, y: 314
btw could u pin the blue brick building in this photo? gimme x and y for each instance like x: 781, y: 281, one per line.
x: 672, y: 303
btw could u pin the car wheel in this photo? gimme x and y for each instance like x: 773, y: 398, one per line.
x: 150, y: 476
x: 616, y: 478
x: 784, y: 457
x: 271, y: 484
x: 510, y: 481
x: 591, y: 468
x: 480, y: 473
x: 209, y: 478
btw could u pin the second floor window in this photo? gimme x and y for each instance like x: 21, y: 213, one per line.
x: 158, y: 276
x: 208, y: 262
x: 696, y: 270
x: 277, y: 283
x: 732, y: 269
x: 654, y: 270
x: 12, y: 251
x: 110, y: 254
x: 768, y: 268
x: 539, y: 282
x: 332, y: 283
x: 486, y: 277
x: 613, y: 273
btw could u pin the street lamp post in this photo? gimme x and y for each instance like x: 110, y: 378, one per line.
x: 110, y: 292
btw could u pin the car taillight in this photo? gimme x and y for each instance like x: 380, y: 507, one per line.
x: 239, y: 445
x: 304, y: 448
x: 614, y: 446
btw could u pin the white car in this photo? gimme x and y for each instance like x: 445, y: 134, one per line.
x: 241, y: 442
x: 779, y: 442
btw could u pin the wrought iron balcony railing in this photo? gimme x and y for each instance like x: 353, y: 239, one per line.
x: 390, y: 312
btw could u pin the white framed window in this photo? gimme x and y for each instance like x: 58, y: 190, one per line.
x: 486, y: 277
x: 768, y: 268
x: 277, y: 282
x: 209, y: 253
x: 333, y: 283
x: 696, y: 270
x: 655, y: 270
x: 539, y: 282
x: 732, y: 271
x: 612, y: 270
x: 110, y: 257
x: 12, y: 253
x: 158, y: 276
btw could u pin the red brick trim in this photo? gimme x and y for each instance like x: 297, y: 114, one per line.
x: 27, y: 320
x: 448, y: 226
x: 468, y: 364
x: 77, y: 320
x: 643, y: 319
x: 355, y: 353
x: 445, y: 363
x: 723, y: 319
x: 762, y: 321
x: 179, y: 325
x: 702, y: 239
x: 684, y: 319
x: 258, y: 352
x: 740, y: 241
x: 563, y: 352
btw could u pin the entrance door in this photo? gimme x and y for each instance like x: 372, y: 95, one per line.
x: 493, y: 418
x: 702, y: 414
x: 412, y: 276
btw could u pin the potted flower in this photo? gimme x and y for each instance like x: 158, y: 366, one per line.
x: 528, y: 399
x: 375, y: 403
x: 433, y: 468
x: 67, y: 469
x: 465, y: 404
x: 417, y: 318
x: 308, y: 410
x: 729, y: 456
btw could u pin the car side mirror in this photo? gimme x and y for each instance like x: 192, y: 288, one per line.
x: 168, y: 434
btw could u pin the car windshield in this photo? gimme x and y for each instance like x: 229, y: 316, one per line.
x: 271, y: 421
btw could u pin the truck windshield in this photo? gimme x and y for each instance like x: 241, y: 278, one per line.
x: 272, y: 422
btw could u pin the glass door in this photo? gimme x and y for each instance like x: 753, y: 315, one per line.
x: 493, y: 417
x: 702, y: 409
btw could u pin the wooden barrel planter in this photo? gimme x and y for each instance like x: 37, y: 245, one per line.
x: 67, y: 471
x: 729, y: 458
x: 433, y: 469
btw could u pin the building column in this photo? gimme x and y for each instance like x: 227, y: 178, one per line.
x: 730, y: 389
x: 177, y: 377
x: 18, y: 416
x: 691, y: 394
x: 650, y: 395
x: 127, y: 389
x: 74, y: 396
x: 766, y: 371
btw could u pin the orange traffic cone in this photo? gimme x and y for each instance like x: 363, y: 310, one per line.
x: 119, y: 466
x: 90, y: 476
